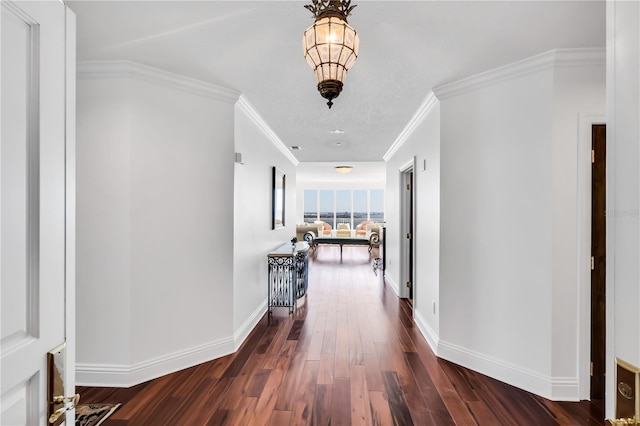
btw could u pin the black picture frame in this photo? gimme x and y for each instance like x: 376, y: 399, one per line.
x: 278, y: 195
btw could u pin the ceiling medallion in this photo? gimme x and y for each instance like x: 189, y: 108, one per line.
x: 330, y: 45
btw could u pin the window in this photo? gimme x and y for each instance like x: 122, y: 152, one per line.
x: 310, y: 205
x: 360, y: 206
x: 343, y: 206
x: 352, y: 206
x: 376, y: 205
x: 327, y: 207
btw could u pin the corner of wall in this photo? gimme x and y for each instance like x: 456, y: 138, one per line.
x: 553, y: 388
x: 427, y: 331
x: 243, y: 331
x: 114, y: 375
x: 252, y: 114
x: 423, y: 111
x: 253, y: 236
x: 392, y: 284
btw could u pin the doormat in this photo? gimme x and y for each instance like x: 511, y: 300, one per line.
x: 94, y: 414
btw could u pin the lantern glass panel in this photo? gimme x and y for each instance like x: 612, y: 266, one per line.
x: 335, y: 53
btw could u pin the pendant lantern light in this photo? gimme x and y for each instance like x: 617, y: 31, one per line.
x: 330, y: 45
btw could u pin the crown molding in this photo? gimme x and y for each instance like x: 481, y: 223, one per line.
x: 118, y: 69
x: 423, y: 111
x: 253, y: 115
x: 547, y: 60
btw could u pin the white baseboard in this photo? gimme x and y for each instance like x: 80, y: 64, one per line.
x: 553, y: 388
x: 565, y: 389
x: 130, y: 375
x: 114, y: 375
x: 241, y: 334
x: 392, y: 284
x: 427, y: 332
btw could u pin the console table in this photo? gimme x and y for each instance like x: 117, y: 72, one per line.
x: 288, y: 276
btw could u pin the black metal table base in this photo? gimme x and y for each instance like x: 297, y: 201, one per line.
x: 287, y: 276
x: 373, y: 240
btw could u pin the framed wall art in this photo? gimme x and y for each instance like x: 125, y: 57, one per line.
x: 278, y: 198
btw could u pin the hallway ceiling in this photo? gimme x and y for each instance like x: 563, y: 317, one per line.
x: 407, y: 48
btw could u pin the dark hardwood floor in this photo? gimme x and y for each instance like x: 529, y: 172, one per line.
x: 350, y: 354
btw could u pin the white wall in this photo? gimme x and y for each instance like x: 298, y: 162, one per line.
x: 181, y: 182
x: 505, y: 215
x: 423, y: 143
x: 623, y: 187
x: 102, y: 222
x: 577, y: 92
x: 496, y: 228
x: 155, y: 223
x: 509, y: 282
x: 253, y: 236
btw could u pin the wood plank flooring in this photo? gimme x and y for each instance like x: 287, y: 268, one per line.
x: 349, y: 355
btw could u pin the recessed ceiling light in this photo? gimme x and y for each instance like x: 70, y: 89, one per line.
x: 337, y: 132
x: 343, y: 169
x: 296, y: 147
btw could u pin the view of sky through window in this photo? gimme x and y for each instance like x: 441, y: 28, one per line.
x: 351, y: 206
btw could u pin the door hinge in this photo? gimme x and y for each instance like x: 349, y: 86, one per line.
x: 408, y: 187
x: 408, y: 284
x: 408, y: 235
x: 591, y: 369
x: 593, y: 263
x: 593, y: 156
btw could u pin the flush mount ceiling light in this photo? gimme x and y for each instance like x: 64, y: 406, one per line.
x: 343, y: 169
x: 330, y: 45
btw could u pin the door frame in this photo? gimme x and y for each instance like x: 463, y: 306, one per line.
x: 404, y: 173
x: 70, y: 207
x: 583, y: 265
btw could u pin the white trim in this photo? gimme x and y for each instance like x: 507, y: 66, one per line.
x: 427, y: 332
x: 119, y: 375
x: 553, y: 388
x: 241, y: 334
x: 70, y: 206
x: 115, y: 375
x: 543, y: 61
x: 392, y: 284
x: 423, y: 111
x: 611, y: 115
x: 407, y: 166
x: 253, y: 115
x: 583, y: 248
x: 115, y: 69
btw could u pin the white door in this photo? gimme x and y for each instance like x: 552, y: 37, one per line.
x: 34, y: 124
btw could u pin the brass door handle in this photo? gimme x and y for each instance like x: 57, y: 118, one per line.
x: 73, y: 399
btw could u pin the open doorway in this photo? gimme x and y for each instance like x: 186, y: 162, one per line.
x: 407, y: 227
